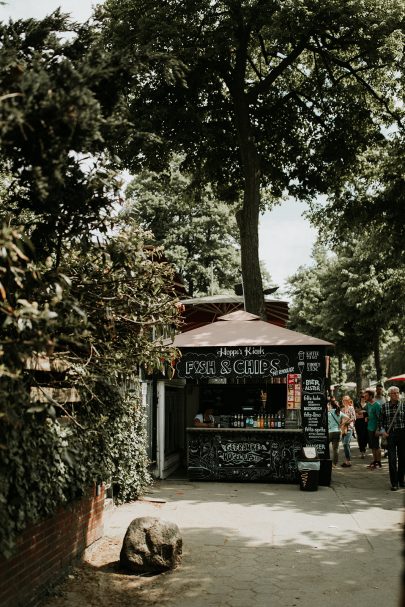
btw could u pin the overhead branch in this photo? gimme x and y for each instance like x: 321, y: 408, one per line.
x: 264, y: 85
x: 356, y: 74
x: 254, y: 68
x: 263, y: 49
x: 324, y: 60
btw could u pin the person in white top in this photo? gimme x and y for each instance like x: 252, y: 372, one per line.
x: 347, y: 428
x: 204, y: 420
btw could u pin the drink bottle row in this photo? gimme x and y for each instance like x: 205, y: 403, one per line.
x: 262, y: 420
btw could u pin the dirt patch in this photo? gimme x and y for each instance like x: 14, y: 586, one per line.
x: 99, y: 581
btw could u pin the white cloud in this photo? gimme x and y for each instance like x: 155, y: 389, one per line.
x: 285, y: 240
x: 80, y: 10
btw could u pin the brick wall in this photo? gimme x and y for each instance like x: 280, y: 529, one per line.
x: 45, y: 550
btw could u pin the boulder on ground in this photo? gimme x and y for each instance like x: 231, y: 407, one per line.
x: 151, y: 545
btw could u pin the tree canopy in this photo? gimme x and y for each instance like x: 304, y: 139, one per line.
x: 198, y: 232
x: 257, y: 94
x: 352, y: 297
x: 370, y: 203
x: 53, y: 154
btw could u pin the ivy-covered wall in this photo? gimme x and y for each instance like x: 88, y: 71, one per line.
x: 48, y: 461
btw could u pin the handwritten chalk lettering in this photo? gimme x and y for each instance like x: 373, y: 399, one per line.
x: 230, y: 352
x: 225, y: 368
x: 240, y: 458
x: 231, y: 362
x: 313, y: 367
x: 312, y: 354
x: 200, y: 367
x: 250, y: 351
x: 312, y: 385
x: 252, y: 367
x: 243, y: 446
x: 312, y: 397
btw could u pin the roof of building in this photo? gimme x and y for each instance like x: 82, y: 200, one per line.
x: 241, y: 328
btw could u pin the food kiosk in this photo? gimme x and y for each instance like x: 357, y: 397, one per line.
x: 268, y: 388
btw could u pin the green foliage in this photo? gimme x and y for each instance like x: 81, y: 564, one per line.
x: 351, y: 298
x: 102, y: 321
x: 370, y: 203
x: 198, y: 232
x: 128, y: 448
x: 52, y: 131
x: 259, y: 93
x: 104, y: 306
x: 23, y: 320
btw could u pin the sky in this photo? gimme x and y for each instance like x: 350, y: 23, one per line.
x: 285, y: 237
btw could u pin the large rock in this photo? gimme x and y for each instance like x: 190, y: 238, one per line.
x: 151, y: 545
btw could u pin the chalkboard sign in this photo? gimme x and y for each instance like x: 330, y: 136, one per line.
x: 314, y: 416
x: 244, y: 456
x: 244, y: 361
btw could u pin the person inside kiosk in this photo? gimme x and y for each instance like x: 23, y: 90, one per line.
x: 204, y: 420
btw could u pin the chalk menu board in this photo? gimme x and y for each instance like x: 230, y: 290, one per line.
x: 314, y: 414
x: 244, y: 456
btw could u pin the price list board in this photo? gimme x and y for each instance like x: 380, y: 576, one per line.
x: 313, y: 408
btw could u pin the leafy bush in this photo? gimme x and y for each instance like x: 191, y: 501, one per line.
x: 102, y: 321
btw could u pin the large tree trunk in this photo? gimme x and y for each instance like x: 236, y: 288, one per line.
x: 248, y: 222
x: 248, y: 216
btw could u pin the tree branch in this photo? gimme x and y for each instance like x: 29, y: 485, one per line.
x: 254, y: 68
x: 263, y: 47
x: 265, y: 84
x: 355, y: 72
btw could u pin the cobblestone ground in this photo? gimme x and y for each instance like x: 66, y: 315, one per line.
x: 256, y: 545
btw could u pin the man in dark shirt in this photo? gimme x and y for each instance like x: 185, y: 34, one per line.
x: 392, y: 426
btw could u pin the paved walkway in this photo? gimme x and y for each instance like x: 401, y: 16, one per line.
x: 258, y: 545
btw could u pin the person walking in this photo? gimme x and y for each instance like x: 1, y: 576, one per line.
x: 380, y: 398
x: 335, y: 418
x: 393, y: 429
x: 360, y: 424
x: 347, y: 427
x: 373, y: 411
x: 379, y: 394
